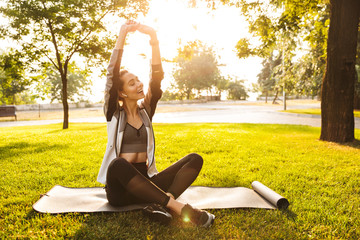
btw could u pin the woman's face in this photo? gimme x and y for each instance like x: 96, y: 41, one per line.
x: 132, y: 88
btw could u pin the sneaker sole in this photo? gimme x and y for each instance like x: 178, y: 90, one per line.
x: 158, y: 216
x: 210, y: 221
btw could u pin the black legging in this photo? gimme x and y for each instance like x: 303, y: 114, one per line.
x: 129, y: 183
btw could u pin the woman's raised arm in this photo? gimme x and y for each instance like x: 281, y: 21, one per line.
x: 111, y: 95
x: 156, y: 58
x: 157, y: 74
x: 129, y: 26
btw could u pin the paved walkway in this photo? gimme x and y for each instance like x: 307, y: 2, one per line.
x: 216, y: 113
x: 239, y: 114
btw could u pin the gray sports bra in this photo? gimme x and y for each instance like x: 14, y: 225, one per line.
x: 134, y: 140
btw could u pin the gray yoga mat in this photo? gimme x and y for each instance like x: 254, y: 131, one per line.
x: 63, y: 199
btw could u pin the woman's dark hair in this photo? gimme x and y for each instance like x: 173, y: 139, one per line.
x: 119, y: 85
x: 120, y: 82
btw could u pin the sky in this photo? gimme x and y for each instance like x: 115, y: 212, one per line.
x: 176, y: 24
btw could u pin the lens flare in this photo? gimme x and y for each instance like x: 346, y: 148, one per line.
x: 186, y: 219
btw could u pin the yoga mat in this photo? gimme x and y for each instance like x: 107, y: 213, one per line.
x: 273, y: 197
x: 63, y: 199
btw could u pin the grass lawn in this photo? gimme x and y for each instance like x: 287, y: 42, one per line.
x: 315, y: 111
x: 320, y: 179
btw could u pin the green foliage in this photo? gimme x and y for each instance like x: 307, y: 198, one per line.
x: 12, y: 79
x: 308, y: 72
x: 25, y: 97
x: 222, y: 84
x: 50, y: 84
x: 283, y: 26
x: 171, y: 94
x: 59, y: 29
x: 190, y: 50
x: 267, y: 77
x: 197, y: 69
x: 243, y: 48
x: 261, y: 25
x: 53, y: 31
x: 320, y: 179
x: 237, y: 90
x: 310, y: 69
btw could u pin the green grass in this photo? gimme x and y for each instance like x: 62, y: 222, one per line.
x: 315, y: 111
x: 320, y: 179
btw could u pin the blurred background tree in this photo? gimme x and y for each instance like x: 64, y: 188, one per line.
x: 266, y: 83
x: 236, y: 90
x: 323, y: 28
x: 50, y: 84
x: 197, y: 69
x: 12, y: 77
x: 54, y: 31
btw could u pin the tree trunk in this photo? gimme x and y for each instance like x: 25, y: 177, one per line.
x: 284, y: 99
x: 65, y: 102
x: 337, y: 97
x: 266, y: 96
x: 276, y: 95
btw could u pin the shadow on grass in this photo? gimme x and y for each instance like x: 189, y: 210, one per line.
x: 353, y: 144
x: 133, y: 225
x: 106, y: 225
x: 56, y: 131
x: 21, y: 148
x: 32, y: 214
x: 289, y: 214
x: 81, y: 127
x: 229, y: 224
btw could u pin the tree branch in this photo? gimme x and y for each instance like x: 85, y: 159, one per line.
x: 56, y: 66
x: 77, y: 45
x: 54, y: 42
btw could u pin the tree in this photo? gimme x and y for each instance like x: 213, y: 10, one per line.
x: 12, y: 80
x: 197, y: 69
x: 307, y: 20
x: 171, y: 94
x: 310, y: 68
x: 50, y: 84
x: 308, y: 76
x: 337, y: 94
x: 54, y: 31
x: 236, y: 90
x: 279, y: 27
x: 266, y: 77
x: 221, y: 85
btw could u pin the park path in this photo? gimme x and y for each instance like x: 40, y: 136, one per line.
x: 215, y: 112
x: 240, y: 113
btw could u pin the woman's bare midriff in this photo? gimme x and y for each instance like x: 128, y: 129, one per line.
x: 134, y: 157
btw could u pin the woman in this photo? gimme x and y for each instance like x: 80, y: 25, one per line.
x: 128, y: 169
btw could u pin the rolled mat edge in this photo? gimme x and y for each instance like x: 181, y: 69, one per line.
x: 270, y: 195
